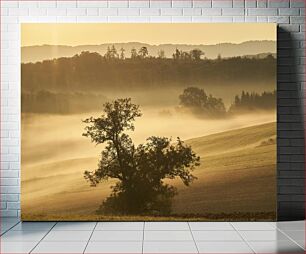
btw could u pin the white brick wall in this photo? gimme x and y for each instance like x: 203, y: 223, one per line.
x: 289, y: 13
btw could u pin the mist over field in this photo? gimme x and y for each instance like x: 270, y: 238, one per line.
x: 54, y: 161
x: 223, y: 109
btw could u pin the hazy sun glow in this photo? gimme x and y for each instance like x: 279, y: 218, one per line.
x: 191, y: 33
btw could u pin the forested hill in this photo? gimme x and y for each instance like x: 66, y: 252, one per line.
x: 45, y: 52
x: 93, y: 72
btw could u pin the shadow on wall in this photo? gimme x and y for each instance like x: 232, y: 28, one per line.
x: 290, y: 130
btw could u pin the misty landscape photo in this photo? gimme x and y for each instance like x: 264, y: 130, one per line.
x: 127, y: 122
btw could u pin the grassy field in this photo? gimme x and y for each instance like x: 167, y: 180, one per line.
x: 236, y: 181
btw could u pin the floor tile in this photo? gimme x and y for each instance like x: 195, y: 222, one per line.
x: 63, y: 226
x: 252, y: 226
x: 297, y: 235
x: 17, y: 247
x: 169, y: 247
x: 276, y: 247
x: 120, y: 226
x: 291, y: 225
x: 263, y: 235
x: 216, y: 236
x: 99, y: 236
x: 211, y: 226
x: 223, y: 247
x: 23, y: 236
x: 166, y: 226
x: 67, y: 236
x: 114, y: 247
x: 60, y: 247
x: 33, y: 226
x: 5, y: 226
x: 167, y: 236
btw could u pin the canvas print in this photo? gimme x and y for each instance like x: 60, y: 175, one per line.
x: 134, y: 122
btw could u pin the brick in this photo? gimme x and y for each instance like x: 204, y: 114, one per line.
x: 297, y: 20
x: 181, y: 3
x: 222, y: 19
x: 192, y: 11
x: 138, y: 19
x: 278, y: 3
x: 8, y: 181
x: 118, y: 4
x: 76, y: 12
x: 160, y: 19
x: 291, y: 150
x: 238, y: 3
x: 262, y: 3
x: 233, y: 11
x: 160, y: 3
x: 171, y: 11
x: 150, y: 12
x: 289, y: 118
x: 297, y: 166
x: 291, y: 182
x: 9, y: 4
x: 289, y: 28
x: 9, y: 173
x: 291, y: 174
x: 9, y: 197
x: 262, y: 12
x: 92, y: 4
x: 290, y: 198
x: 289, y: 11
x: 297, y: 3
x: 291, y: 189
x: 297, y: 142
x: 92, y: 11
x: 222, y: 3
x: 66, y: 4
x: 47, y: 4
x: 4, y: 11
x: 18, y: 12
x: 202, y: 3
x: 250, y: 3
x: 57, y: 12
x: 179, y: 19
x: 3, y: 206
x: 238, y: 19
x: 139, y: 4
x: 279, y: 20
x: 9, y: 213
x: 10, y: 190
x: 128, y: 11
x: 91, y: 19
x: 201, y: 19
x: 262, y: 19
x: 211, y: 11
x: 13, y: 205
x: 108, y: 11
x: 117, y: 19
x: 38, y: 11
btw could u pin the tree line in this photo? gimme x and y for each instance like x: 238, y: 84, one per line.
x: 112, y: 53
x: 94, y: 72
x: 197, y: 102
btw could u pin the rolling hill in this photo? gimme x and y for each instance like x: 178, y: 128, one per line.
x: 237, y: 174
x: 43, y: 52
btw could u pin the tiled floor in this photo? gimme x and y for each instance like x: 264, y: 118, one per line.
x: 152, y: 237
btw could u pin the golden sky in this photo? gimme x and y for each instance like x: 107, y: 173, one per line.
x: 92, y: 34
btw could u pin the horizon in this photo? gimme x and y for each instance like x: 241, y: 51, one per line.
x: 157, y: 45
